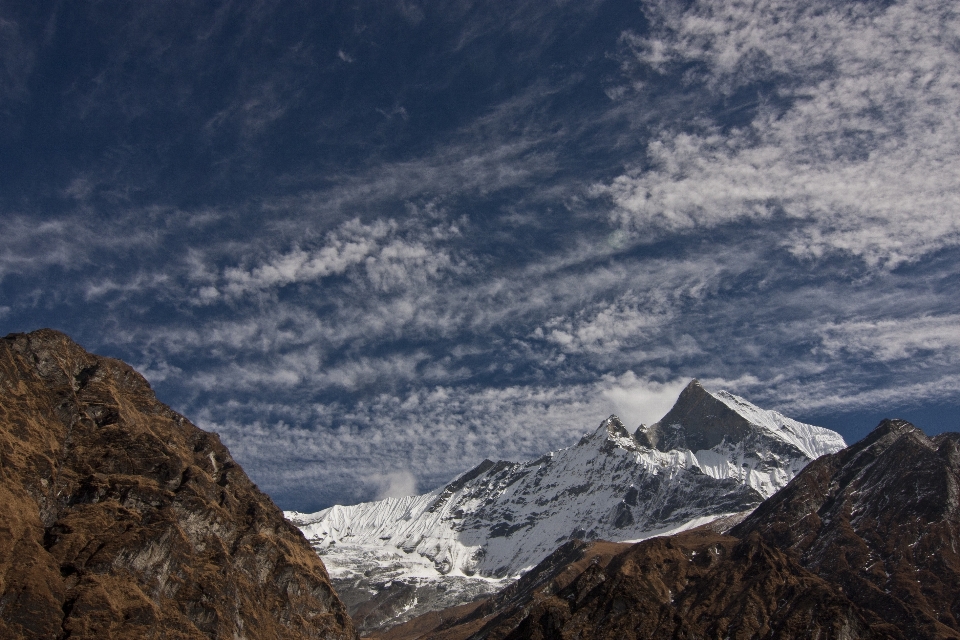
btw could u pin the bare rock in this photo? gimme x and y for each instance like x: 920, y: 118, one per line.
x: 121, y: 519
x: 698, y: 584
x: 881, y: 519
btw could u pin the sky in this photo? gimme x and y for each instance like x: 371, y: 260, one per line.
x: 373, y: 243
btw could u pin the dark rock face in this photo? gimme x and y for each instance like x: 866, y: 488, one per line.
x: 120, y: 519
x: 881, y: 519
x: 861, y: 544
x: 694, y: 585
x: 697, y: 421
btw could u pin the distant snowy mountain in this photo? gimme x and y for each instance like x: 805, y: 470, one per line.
x: 712, y: 455
x: 861, y: 545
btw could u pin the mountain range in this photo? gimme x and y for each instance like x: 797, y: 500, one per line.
x: 713, y: 455
x: 121, y: 519
x: 861, y: 544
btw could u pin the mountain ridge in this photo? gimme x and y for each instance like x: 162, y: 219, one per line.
x: 860, y: 545
x: 497, y: 520
x: 891, y: 501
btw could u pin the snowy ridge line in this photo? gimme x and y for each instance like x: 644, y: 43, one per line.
x: 686, y: 526
x: 499, y: 519
x: 811, y: 440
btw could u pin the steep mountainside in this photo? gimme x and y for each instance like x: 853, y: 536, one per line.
x: 412, y: 554
x: 861, y: 544
x: 697, y: 584
x: 880, y: 519
x: 553, y: 573
x: 120, y: 519
x: 702, y: 421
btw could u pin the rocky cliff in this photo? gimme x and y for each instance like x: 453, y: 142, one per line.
x: 697, y: 584
x: 120, y: 519
x: 881, y: 520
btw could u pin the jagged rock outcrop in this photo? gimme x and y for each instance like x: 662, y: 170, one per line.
x: 120, y: 519
x: 861, y: 544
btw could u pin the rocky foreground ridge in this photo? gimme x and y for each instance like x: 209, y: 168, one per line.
x: 861, y: 544
x: 713, y: 455
x: 120, y: 519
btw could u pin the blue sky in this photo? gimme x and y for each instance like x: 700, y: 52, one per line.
x: 373, y: 243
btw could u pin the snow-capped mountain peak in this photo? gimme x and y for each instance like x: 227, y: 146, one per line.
x: 712, y: 455
x: 701, y: 420
x: 610, y: 433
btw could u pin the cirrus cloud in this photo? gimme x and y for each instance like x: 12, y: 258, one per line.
x: 855, y: 134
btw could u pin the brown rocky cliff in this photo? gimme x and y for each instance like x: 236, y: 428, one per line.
x: 694, y: 585
x: 881, y: 519
x: 121, y: 519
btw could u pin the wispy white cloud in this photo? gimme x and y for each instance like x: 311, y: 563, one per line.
x: 464, y: 166
x: 613, y: 328
x: 158, y: 370
x: 865, y: 155
x: 335, y: 257
x: 396, y: 484
x: 392, y: 254
x: 640, y: 401
x: 28, y: 246
x: 137, y: 283
x: 926, y: 339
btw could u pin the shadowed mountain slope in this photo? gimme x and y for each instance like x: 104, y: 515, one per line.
x: 880, y: 519
x: 120, y: 519
x: 697, y: 584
